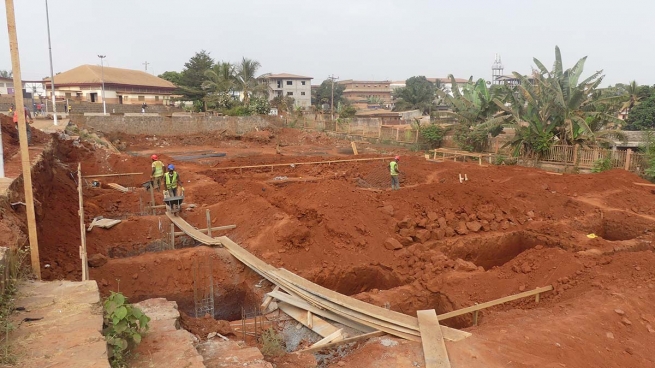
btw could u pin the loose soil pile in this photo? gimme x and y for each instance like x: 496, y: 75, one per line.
x: 436, y: 243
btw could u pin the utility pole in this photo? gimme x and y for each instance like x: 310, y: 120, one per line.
x: 146, y: 64
x: 52, y: 73
x: 332, y: 78
x: 22, y: 137
x: 102, y: 66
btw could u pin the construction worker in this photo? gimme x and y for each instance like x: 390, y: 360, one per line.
x: 393, y: 166
x: 28, y: 120
x: 157, y: 174
x: 172, y: 178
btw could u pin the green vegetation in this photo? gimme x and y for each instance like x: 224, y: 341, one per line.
x: 433, y: 134
x: 124, y: 326
x: 272, y: 343
x: 16, y: 273
x: 323, y: 94
x: 222, y: 86
x: 642, y: 116
x: 649, y: 150
x: 602, y: 164
x: 418, y: 94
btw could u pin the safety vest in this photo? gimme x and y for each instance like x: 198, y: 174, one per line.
x: 394, y: 168
x: 171, y: 182
x: 159, y: 168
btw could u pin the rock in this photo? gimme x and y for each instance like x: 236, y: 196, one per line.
x: 406, y: 240
x: 504, y: 225
x: 450, y: 231
x: 392, y: 244
x: 97, y: 260
x: 521, y: 288
x: 609, y: 335
x: 422, y: 223
x: 494, y: 226
x: 626, y: 321
x: 104, y: 282
x: 439, y: 233
x: 462, y: 265
x: 620, y: 312
x: 650, y: 328
x: 135, y: 276
x: 525, y: 267
x: 405, y: 233
x: 461, y: 228
x: 463, y: 216
x: 422, y: 235
x: 450, y: 216
x: 474, y: 226
x: 486, y: 216
x: 442, y: 222
x: 629, y: 350
x: 388, y: 210
x: 432, y: 216
x: 341, y: 364
x: 405, y: 222
x: 539, y: 247
x: 530, y: 214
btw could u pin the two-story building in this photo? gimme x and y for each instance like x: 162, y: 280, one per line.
x: 297, y: 87
x: 122, y: 86
x: 367, y: 94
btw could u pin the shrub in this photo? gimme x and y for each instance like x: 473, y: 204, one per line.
x: 601, y: 165
x: 124, y: 326
x: 433, y: 134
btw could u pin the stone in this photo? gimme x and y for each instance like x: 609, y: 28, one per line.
x: 494, y: 226
x: 422, y: 235
x: 406, y: 240
x: 530, y: 214
x: 609, y: 335
x: 650, y: 328
x: 387, y: 210
x: 626, y: 321
x: 474, y: 226
x: 432, y: 216
x: 442, y: 222
x: 461, y: 228
x: 392, y: 244
x: 97, y: 260
x: 463, y: 216
x: 341, y: 364
x: 405, y: 222
x: 405, y: 233
x: 450, y: 216
x: 525, y: 267
x: 521, y: 288
x: 450, y: 231
x: 439, y: 233
x: 504, y: 225
x: 620, y: 312
x: 462, y: 265
x: 422, y: 223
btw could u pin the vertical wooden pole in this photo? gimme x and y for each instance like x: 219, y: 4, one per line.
x: 536, y: 297
x: 172, y: 236
x: 628, y: 157
x: 575, y: 155
x: 152, y: 198
x: 209, y: 223
x: 83, y: 255
x: 22, y: 137
x: 397, y: 134
x: 475, y: 318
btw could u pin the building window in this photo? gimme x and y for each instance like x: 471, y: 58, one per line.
x: 303, y: 82
x: 302, y: 93
x: 289, y: 93
x: 279, y: 84
x: 156, y: 98
x: 142, y: 98
x: 289, y: 83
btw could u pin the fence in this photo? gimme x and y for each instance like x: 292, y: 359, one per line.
x: 586, y: 157
x: 362, y: 127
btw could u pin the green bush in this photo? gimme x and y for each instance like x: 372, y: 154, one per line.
x: 601, y: 165
x: 123, y: 328
x: 433, y: 134
x: 238, y: 111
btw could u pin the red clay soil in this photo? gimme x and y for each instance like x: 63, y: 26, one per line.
x: 10, y: 145
x: 203, y: 326
x: 436, y: 243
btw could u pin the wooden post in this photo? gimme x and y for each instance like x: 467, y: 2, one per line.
x: 575, y: 155
x: 209, y: 223
x: 536, y: 297
x: 152, y: 198
x: 22, y: 138
x: 172, y: 236
x: 628, y: 158
x: 83, y: 255
x: 354, y: 146
x: 416, y: 137
x: 397, y: 133
x: 475, y: 318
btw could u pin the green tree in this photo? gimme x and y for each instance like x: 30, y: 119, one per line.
x: 418, y: 94
x: 172, y: 76
x: 193, y: 76
x: 642, y: 116
x: 246, y: 79
x: 283, y: 103
x: 323, y: 94
x: 259, y: 105
x: 219, y: 85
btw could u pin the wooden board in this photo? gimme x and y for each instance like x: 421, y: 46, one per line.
x: 191, y: 231
x: 434, y: 348
x: 302, y: 163
x: 491, y: 303
x: 319, y: 325
x: 335, y: 336
x: 107, y: 175
x: 118, y: 187
x: 644, y: 184
x: 103, y: 223
x: 344, y: 341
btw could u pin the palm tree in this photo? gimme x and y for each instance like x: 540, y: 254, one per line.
x: 6, y: 73
x: 246, y: 79
x: 220, y: 84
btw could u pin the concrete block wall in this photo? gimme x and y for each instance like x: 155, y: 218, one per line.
x: 148, y: 124
x: 84, y: 107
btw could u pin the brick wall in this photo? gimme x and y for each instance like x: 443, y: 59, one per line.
x: 148, y: 124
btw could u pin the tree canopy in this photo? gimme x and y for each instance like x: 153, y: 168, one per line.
x: 323, y: 94
x: 642, y: 116
x: 418, y: 94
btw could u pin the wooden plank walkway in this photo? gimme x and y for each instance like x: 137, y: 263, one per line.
x: 434, y: 348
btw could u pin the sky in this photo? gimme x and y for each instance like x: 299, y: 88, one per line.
x: 356, y: 39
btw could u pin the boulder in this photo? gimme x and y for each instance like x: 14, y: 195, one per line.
x: 392, y: 244
x: 405, y: 222
x: 432, y: 216
x: 461, y: 228
x: 406, y: 240
x: 97, y: 260
x: 439, y: 233
x: 422, y: 235
x: 474, y: 226
x: 462, y: 265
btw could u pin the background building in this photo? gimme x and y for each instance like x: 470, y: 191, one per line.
x: 367, y: 94
x: 297, y: 87
x: 122, y: 86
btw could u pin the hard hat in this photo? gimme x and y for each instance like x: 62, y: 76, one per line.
x: 397, y: 158
x: 154, y: 157
x: 171, y: 167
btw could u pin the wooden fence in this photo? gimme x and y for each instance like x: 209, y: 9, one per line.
x: 586, y: 157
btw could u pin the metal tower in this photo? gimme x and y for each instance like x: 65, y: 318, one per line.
x: 496, y: 70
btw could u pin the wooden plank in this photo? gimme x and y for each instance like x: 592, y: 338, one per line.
x: 209, y: 223
x: 83, y: 254
x: 336, y: 335
x: 191, y: 231
x: 106, y: 175
x: 268, y: 300
x: 342, y: 342
x: 434, y: 348
x: 320, y: 326
x: 301, y: 163
x: 296, y: 301
x: 491, y: 303
x: 354, y: 146
x: 644, y: 184
x: 215, y: 228
x: 118, y: 187
x: 310, y: 319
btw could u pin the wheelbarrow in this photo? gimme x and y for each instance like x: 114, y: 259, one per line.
x: 174, y: 204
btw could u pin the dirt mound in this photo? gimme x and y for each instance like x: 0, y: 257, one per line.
x: 10, y: 143
x: 202, y: 327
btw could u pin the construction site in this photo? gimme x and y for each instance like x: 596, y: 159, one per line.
x: 469, y: 264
